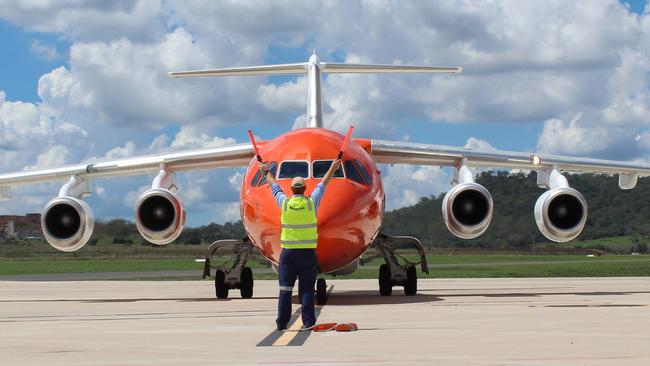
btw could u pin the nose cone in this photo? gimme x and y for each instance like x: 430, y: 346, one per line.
x: 314, y: 59
x: 348, y: 217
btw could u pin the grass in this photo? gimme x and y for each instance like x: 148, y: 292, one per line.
x: 616, y: 244
x: 441, y: 266
x: 529, y: 266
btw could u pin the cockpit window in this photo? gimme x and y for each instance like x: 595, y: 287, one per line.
x: 351, y: 171
x: 320, y: 167
x: 291, y: 169
x: 355, y: 171
x: 367, y: 177
x: 257, y: 177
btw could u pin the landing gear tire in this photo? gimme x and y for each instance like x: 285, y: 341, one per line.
x: 220, y: 287
x: 385, y: 285
x: 411, y: 286
x: 321, y: 291
x: 246, y: 286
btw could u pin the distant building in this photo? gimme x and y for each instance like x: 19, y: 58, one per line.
x: 11, y: 229
x: 14, y: 226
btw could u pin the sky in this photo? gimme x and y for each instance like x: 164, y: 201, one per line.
x: 84, y: 81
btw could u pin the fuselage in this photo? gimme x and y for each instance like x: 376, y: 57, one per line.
x: 351, y: 209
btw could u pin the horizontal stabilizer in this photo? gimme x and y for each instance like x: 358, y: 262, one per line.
x: 285, y: 69
x: 334, y: 68
x: 302, y: 68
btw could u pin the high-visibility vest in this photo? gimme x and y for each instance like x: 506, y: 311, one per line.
x: 299, y: 228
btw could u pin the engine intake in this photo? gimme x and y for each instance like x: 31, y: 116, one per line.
x: 561, y: 214
x: 467, y: 210
x: 67, y: 223
x: 159, y: 216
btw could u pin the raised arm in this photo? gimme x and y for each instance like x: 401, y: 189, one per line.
x: 264, y: 168
x: 335, y: 165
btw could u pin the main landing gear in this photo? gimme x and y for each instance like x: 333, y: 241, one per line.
x: 238, y: 276
x: 393, y: 273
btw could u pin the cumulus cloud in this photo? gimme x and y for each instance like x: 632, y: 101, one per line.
x: 44, y: 51
x: 132, y: 196
x: 225, y: 212
x: 193, y: 193
x: 582, y: 76
x: 235, y: 181
x: 54, y: 156
x: 82, y: 20
x: 192, y: 137
x: 576, y: 138
x: 405, y: 184
x: 478, y: 144
x: 287, y: 96
x: 28, y: 131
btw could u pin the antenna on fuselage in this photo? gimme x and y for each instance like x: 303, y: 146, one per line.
x: 313, y: 69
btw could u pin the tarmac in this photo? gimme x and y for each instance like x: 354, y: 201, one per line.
x: 556, y: 321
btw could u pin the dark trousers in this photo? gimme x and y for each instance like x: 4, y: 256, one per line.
x: 301, y: 264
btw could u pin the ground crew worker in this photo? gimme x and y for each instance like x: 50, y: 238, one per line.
x: 298, y: 241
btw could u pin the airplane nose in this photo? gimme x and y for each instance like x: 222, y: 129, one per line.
x: 346, y: 223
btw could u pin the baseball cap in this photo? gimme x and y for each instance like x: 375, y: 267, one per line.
x: 298, y: 182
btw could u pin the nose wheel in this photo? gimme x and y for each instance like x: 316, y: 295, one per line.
x: 321, y: 292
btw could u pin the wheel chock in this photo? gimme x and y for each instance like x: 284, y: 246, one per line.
x: 323, y: 327
x: 346, y: 327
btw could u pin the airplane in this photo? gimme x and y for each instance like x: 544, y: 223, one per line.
x: 352, y: 209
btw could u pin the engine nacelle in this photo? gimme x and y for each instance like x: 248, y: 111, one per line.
x: 159, y: 216
x: 467, y: 210
x: 67, y: 223
x: 561, y: 214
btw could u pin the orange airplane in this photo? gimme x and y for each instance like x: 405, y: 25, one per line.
x: 352, y: 208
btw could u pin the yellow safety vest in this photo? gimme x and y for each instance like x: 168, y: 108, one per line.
x: 299, y: 228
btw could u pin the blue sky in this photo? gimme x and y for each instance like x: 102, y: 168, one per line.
x: 568, y: 79
x: 20, y: 74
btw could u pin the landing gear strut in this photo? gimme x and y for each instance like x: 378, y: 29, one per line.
x: 392, y: 273
x: 238, y: 276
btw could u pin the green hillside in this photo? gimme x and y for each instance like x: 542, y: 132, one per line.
x: 612, y: 212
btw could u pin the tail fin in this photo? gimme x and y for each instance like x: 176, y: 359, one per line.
x: 313, y: 69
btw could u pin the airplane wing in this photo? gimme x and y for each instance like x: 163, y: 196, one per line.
x: 224, y: 156
x: 400, y: 152
x: 560, y: 212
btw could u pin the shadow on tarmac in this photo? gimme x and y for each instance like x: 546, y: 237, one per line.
x: 354, y: 297
x: 373, y: 297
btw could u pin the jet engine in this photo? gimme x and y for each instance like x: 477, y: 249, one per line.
x: 561, y: 214
x: 467, y: 210
x: 467, y: 207
x: 159, y: 216
x: 67, y: 223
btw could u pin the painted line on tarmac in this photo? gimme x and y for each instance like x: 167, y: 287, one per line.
x: 293, y: 336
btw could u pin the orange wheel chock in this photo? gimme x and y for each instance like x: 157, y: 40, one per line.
x: 346, y: 327
x: 324, y: 327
